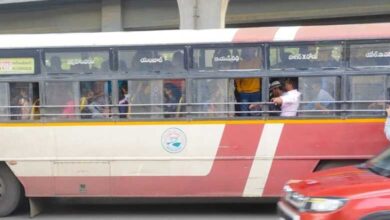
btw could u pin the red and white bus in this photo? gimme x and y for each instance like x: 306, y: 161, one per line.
x: 158, y: 113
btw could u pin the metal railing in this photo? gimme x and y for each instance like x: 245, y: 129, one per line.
x: 205, y: 109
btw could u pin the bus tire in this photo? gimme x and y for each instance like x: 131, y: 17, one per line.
x: 10, y: 191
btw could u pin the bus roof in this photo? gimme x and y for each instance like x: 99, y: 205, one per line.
x: 172, y: 37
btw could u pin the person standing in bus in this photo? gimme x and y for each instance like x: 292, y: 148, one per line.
x: 387, y: 124
x: 289, y: 101
x: 276, y: 91
x: 248, y: 88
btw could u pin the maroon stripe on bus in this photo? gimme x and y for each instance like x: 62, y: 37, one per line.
x: 248, y: 35
x: 343, y: 32
x: 305, y: 141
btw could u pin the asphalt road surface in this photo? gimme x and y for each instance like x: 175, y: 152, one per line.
x: 68, y: 209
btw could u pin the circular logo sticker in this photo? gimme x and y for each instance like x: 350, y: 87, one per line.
x: 173, y: 140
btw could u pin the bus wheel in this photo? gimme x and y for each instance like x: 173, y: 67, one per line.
x: 10, y: 191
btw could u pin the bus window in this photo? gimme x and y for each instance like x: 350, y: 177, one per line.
x: 166, y: 61
x: 227, y: 59
x: 4, y: 102
x: 319, y: 95
x: 95, y: 101
x: 77, y: 62
x: 153, y: 98
x: 61, y: 100
x: 367, y: 94
x: 213, y: 97
x: 370, y: 55
x: 306, y: 56
x: 174, y: 98
x: 24, y: 101
x: 146, y: 98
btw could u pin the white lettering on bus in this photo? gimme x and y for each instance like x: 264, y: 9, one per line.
x: 375, y: 54
x: 73, y: 62
x: 227, y: 59
x: 151, y: 60
x: 309, y: 56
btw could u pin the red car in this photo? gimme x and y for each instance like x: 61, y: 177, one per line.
x: 355, y: 192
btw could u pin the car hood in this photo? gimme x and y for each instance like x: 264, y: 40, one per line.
x: 342, y: 182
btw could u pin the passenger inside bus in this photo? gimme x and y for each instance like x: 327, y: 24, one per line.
x: 25, y: 101
x: 85, y: 101
x: 321, y: 99
x: 290, y: 100
x: 55, y: 65
x: 96, y: 98
x: 325, y: 58
x: 22, y: 105
x: 176, y: 65
x: 276, y: 90
x: 124, y: 100
x: 172, y: 95
x: 70, y: 105
x: 248, y: 89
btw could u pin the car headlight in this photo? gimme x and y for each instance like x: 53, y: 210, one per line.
x: 324, y: 204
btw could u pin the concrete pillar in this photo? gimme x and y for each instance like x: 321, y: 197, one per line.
x: 112, y: 15
x: 202, y: 14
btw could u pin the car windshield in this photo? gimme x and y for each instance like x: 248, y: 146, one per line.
x: 380, y: 164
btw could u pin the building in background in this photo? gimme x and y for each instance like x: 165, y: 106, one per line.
x: 55, y: 16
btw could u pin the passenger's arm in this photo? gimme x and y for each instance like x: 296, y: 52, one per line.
x: 387, y: 124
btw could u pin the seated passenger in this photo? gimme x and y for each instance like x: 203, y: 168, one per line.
x: 177, y: 63
x: 99, y: 105
x: 69, y: 110
x: 248, y: 89
x: 124, y: 100
x: 86, y: 99
x: 105, y: 67
x: 323, y: 100
x: 23, y: 106
x: 123, y: 66
x: 172, y: 96
x: 325, y: 58
x: 55, y: 65
x: 289, y: 101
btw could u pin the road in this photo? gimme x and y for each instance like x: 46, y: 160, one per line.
x: 60, y: 210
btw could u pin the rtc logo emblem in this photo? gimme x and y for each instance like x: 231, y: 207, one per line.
x: 173, y: 140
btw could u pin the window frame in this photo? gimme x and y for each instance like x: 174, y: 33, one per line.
x: 23, y: 53
x: 340, y: 43
x: 362, y: 42
x: 141, y: 74
x: 109, y: 50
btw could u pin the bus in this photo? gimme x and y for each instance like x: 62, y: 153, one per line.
x: 186, y: 113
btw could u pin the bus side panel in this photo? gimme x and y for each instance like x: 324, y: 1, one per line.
x: 227, y: 177
x: 308, y: 143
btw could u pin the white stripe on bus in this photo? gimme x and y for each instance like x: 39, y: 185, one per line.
x: 286, y: 33
x: 167, y: 37
x: 261, y: 167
